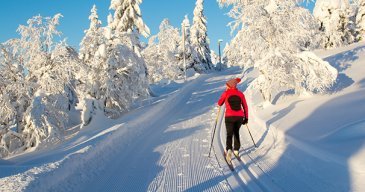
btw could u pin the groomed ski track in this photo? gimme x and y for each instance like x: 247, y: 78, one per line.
x: 159, y: 147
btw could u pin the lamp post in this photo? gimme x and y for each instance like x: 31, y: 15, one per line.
x: 219, y: 50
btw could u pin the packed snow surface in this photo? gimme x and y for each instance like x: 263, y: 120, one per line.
x: 310, y: 143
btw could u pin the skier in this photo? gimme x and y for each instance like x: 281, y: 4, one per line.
x: 236, y: 115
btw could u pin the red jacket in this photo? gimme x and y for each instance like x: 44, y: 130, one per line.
x: 229, y: 111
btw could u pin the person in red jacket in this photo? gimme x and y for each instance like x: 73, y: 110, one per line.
x: 236, y: 114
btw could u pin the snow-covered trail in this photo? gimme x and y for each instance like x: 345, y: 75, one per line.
x: 170, y: 153
x: 162, y: 147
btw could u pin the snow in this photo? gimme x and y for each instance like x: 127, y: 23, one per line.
x: 337, y: 21
x: 360, y: 22
x: 324, y: 126
x: 307, y: 143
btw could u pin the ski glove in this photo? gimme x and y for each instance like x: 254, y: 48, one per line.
x: 245, y: 121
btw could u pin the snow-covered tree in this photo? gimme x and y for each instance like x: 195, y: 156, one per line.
x: 160, y: 56
x: 14, y: 100
x: 187, y: 49
x: 115, y: 74
x: 128, y: 17
x: 272, y: 34
x: 360, y: 20
x: 92, y: 71
x: 199, y: 39
x: 268, y: 25
x: 93, y: 37
x: 225, y: 60
x: 125, y: 79
x: 127, y: 24
x: 41, y: 95
x: 50, y: 69
x: 121, y: 71
x: 337, y: 21
x: 283, y: 73
x: 154, y: 60
x: 115, y: 79
x: 215, y: 57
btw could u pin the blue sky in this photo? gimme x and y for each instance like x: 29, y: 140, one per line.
x: 76, y: 12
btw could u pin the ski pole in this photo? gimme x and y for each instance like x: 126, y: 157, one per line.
x: 215, y: 126
x: 251, y: 135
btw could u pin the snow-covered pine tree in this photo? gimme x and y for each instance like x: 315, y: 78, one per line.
x: 168, y: 42
x: 92, y: 71
x: 272, y: 37
x: 126, y: 73
x: 215, y: 57
x: 199, y: 39
x: 154, y: 60
x: 190, y: 54
x: 160, y: 56
x: 225, y: 60
x: 360, y: 20
x: 337, y: 21
x: 93, y: 37
x: 108, y: 31
x: 128, y: 17
x: 127, y: 24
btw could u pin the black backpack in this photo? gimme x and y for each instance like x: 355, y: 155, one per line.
x: 235, y: 102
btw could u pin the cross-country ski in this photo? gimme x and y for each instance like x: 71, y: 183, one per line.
x: 227, y: 157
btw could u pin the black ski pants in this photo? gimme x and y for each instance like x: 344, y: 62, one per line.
x: 233, y: 125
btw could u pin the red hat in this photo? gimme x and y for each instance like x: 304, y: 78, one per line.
x: 233, y: 83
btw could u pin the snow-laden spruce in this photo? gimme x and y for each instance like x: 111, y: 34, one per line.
x: 38, y: 91
x: 360, y: 20
x: 115, y: 74
x: 160, y: 55
x: 271, y: 36
x: 92, y: 73
x: 188, y: 49
x: 224, y: 56
x: 337, y: 21
x: 214, y: 57
x: 199, y: 39
x: 128, y: 17
x: 126, y: 76
x: 93, y: 37
x: 127, y: 72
